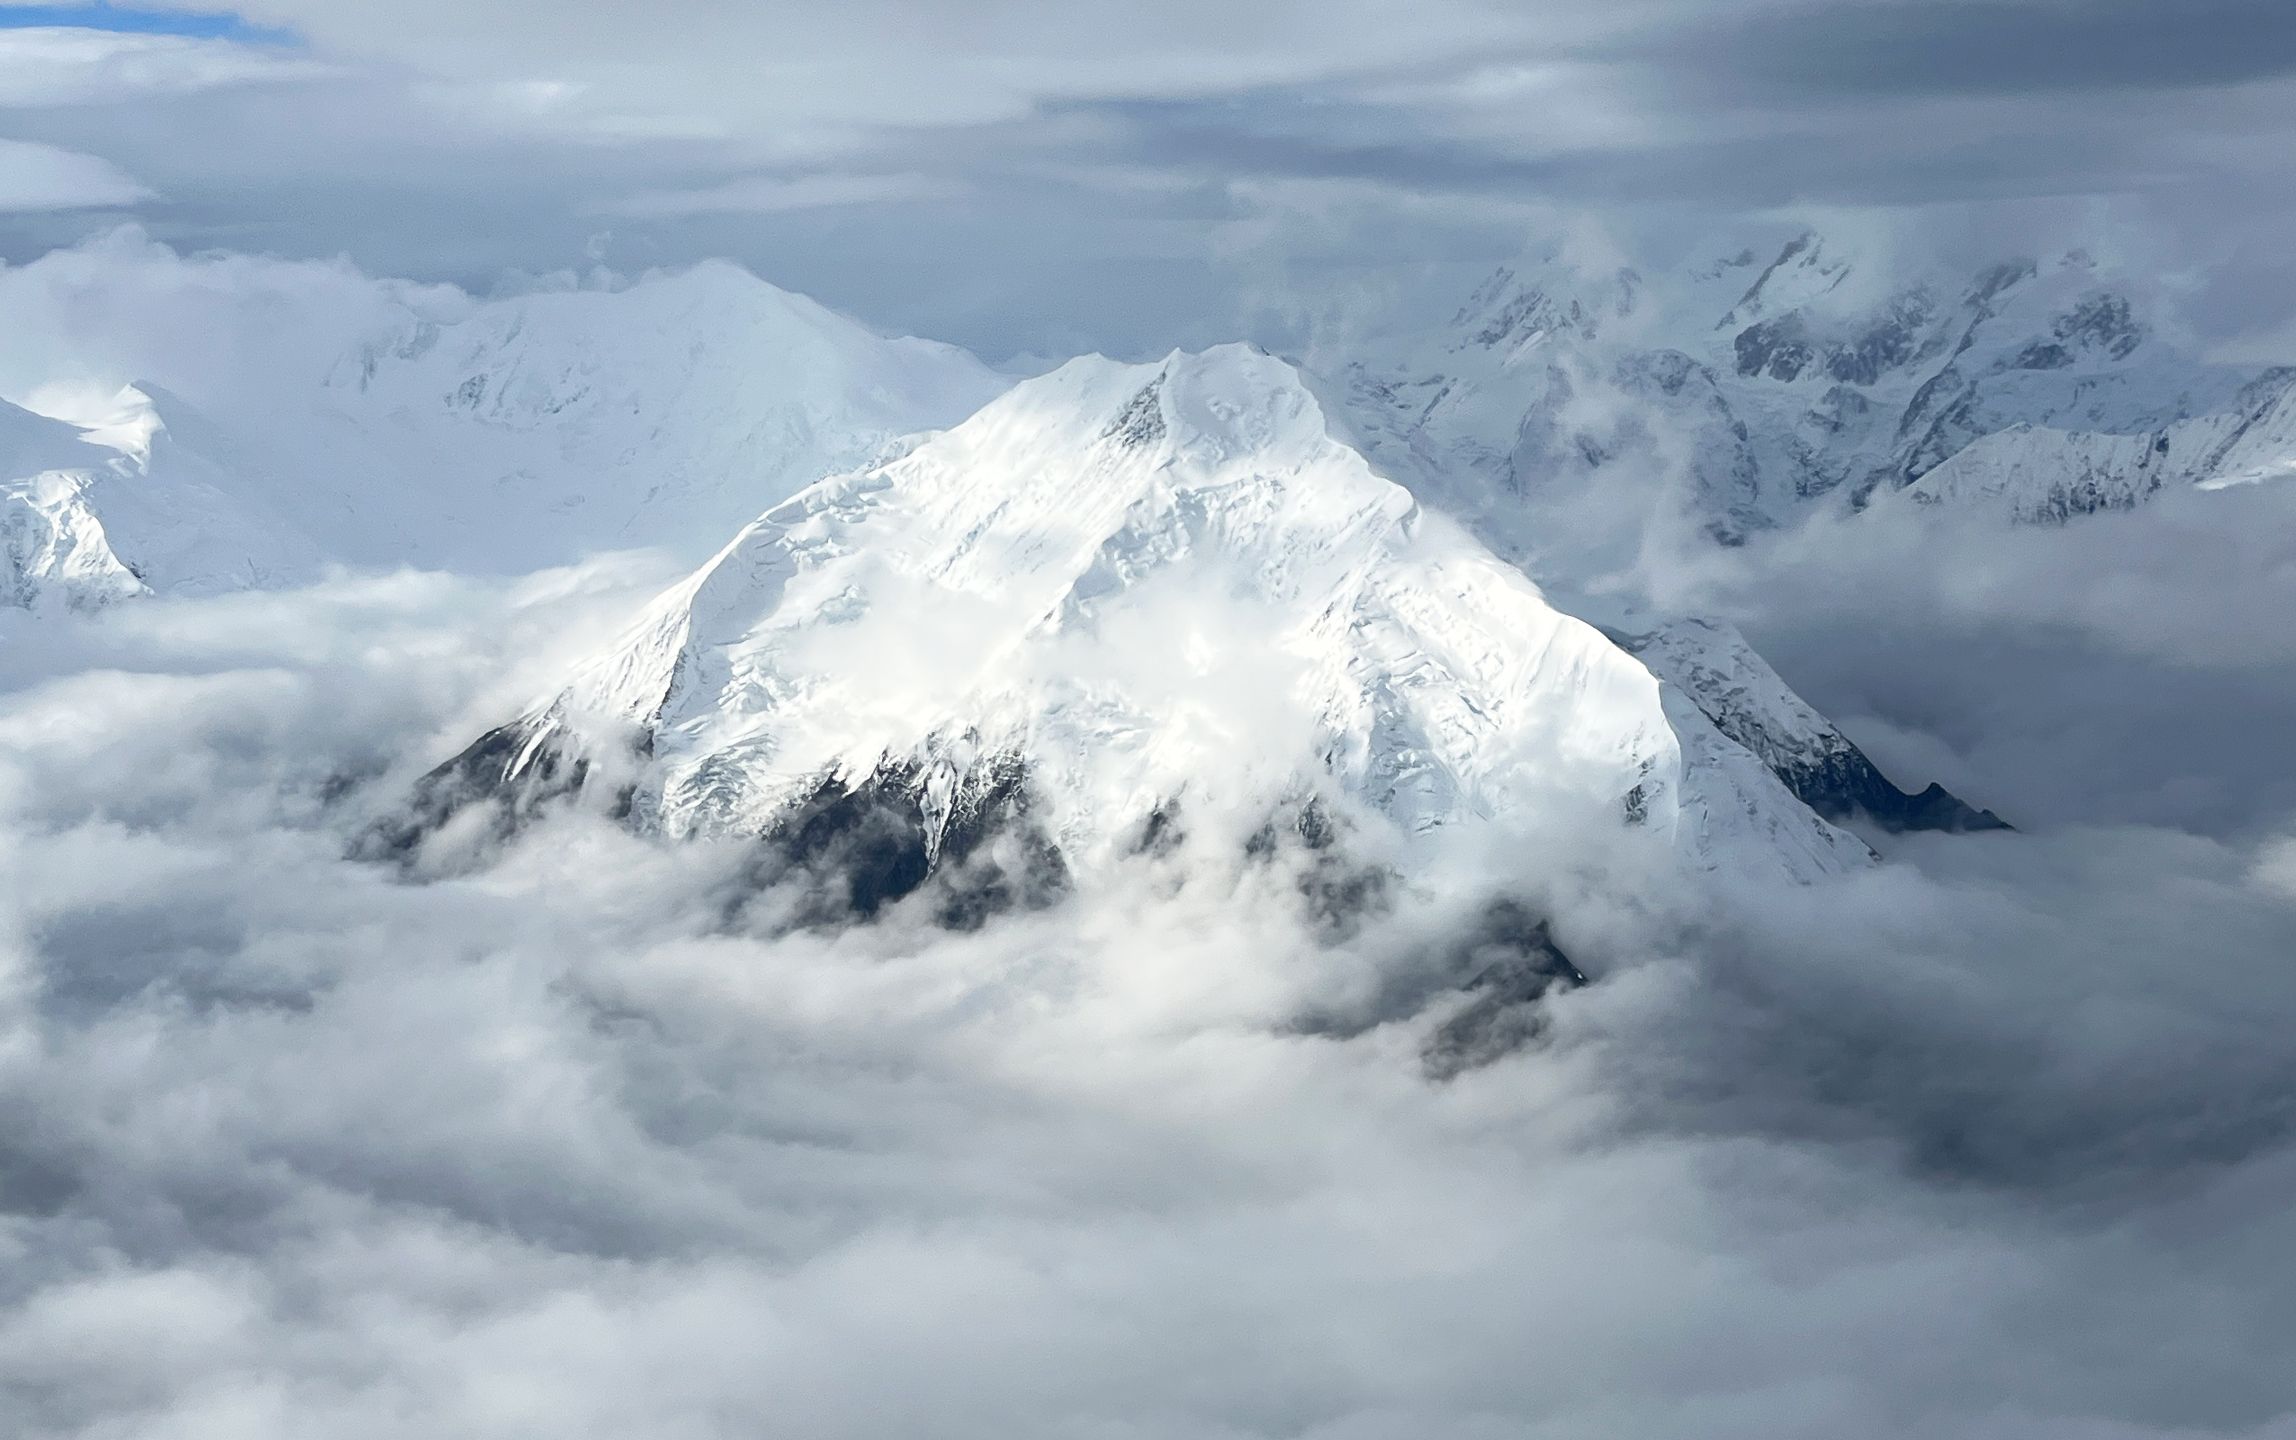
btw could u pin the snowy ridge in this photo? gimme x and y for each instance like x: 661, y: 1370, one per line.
x: 1713, y: 668
x: 1150, y: 586
x: 2031, y: 475
x: 53, y: 549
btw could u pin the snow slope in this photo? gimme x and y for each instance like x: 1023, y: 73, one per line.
x: 667, y: 414
x: 53, y: 549
x: 1147, y: 590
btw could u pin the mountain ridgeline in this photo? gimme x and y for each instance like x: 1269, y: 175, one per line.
x: 945, y: 632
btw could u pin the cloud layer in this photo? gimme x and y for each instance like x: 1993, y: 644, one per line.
x: 1030, y: 176
x: 1992, y: 1141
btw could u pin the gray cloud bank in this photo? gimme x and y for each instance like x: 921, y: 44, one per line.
x: 1027, y: 176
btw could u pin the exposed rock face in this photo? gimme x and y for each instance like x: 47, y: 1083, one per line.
x: 855, y: 847
x: 1514, y: 965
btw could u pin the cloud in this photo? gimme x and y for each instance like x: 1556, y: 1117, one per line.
x: 2128, y: 667
x: 765, y: 195
x: 43, y: 177
x: 1963, y: 48
x: 230, y: 331
x: 1088, y: 172
x: 66, y: 65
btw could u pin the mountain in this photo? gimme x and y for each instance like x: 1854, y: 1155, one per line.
x: 1125, y: 607
x: 2032, y: 475
x: 55, y: 548
x: 666, y: 414
x: 149, y: 499
x: 505, y: 435
x: 1712, y: 667
x: 517, y: 434
x: 1749, y: 383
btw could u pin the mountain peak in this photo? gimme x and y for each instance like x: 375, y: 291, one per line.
x: 1192, y: 420
x: 1120, y: 589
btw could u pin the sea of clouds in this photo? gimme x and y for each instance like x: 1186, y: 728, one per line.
x: 1994, y: 1140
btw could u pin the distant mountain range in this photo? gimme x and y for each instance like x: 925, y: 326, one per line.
x: 1013, y: 635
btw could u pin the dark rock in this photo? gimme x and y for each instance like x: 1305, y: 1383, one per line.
x: 1778, y: 348
x: 2041, y: 355
x: 2103, y: 323
x: 1845, y: 785
x: 844, y: 853
x: 851, y: 849
x: 1514, y: 965
x: 512, y: 773
x: 1339, y: 892
x: 1141, y: 421
x: 1889, y: 343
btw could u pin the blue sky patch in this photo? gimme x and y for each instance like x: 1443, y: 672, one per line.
x: 199, y: 24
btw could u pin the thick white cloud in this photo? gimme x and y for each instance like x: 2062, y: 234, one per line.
x: 1993, y: 1142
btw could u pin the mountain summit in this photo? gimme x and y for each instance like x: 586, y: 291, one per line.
x: 1123, y: 599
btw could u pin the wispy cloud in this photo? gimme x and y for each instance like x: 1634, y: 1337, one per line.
x: 767, y: 194
x: 47, y: 177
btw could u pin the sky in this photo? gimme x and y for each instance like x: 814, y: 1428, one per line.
x: 1023, y: 176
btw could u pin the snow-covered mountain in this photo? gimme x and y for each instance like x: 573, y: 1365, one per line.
x: 150, y: 498
x: 512, y: 435
x: 666, y: 414
x: 1115, y: 595
x: 1744, y: 386
x: 55, y: 547
x: 2032, y: 475
x: 1119, y: 603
